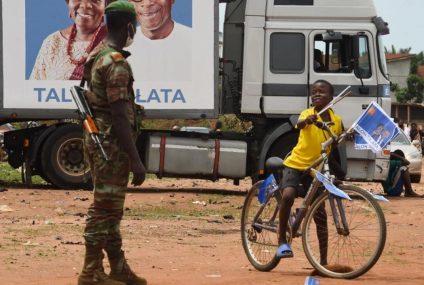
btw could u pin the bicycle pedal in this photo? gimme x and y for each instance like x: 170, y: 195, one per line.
x: 257, y: 228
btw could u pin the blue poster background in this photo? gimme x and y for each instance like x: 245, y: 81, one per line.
x: 44, y: 17
x: 375, y: 127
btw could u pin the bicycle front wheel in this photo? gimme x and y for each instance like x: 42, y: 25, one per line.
x: 259, y: 232
x: 350, y: 253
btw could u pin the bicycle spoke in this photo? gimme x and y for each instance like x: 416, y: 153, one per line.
x: 259, y: 237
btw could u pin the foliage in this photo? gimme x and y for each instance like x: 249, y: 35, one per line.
x: 394, y: 87
x: 8, y: 175
x: 393, y: 50
x: 229, y: 123
x: 417, y: 61
x: 405, y: 50
x: 414, y: 93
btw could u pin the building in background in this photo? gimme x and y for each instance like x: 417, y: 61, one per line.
x: 398, y: 66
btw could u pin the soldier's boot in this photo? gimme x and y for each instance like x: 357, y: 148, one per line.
x: 121, y: 271
x: 93, y: 272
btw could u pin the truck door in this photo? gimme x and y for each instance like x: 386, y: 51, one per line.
x: 285, y: 83
x: 331, y: 57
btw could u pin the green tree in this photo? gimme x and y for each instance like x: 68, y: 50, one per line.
x: 416, y: 61
x: 401, y: 50
x: 414, y: 92
x: 405, y: 50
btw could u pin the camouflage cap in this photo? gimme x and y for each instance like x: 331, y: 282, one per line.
x: 121, y: 6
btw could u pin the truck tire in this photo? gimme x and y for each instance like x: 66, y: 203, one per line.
x: 283, y: 145
x: 62, y: 158
x: 280, y: 148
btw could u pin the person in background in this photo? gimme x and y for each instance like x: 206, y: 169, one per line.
x: 63, y: 53
x: 421, y: 131
x: 218, y: 126
x: 400, y: 124
x: 318, y: 61
x: 399, y: 180
x: 414, y: 133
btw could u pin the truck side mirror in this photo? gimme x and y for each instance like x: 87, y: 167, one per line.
x: 381, y: 25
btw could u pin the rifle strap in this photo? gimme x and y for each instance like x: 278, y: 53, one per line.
x: 82, y: 83
x: 99, y: 55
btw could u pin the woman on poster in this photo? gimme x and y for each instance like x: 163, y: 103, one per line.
x: 64, y: 52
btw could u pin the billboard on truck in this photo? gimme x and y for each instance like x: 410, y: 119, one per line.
x: 42, y: 57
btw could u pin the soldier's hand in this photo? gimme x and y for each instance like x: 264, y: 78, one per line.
x: 139, y: 175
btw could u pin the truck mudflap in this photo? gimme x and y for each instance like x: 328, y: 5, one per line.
x: 210, y: 158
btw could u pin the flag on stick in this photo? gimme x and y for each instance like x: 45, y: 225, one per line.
x: 375, y: 127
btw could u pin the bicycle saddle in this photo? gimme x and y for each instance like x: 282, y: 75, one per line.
x: 274, y: 163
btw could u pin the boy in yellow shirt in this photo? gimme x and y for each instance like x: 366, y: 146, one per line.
x: 307, y: 150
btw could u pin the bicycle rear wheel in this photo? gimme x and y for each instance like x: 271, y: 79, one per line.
x: 351, y: 254
x: 260, y: 241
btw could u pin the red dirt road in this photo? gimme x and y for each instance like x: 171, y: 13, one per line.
x: 41, y: 238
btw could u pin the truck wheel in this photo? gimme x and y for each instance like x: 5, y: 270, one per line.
x: 62, y: 158
x: 281, y: 147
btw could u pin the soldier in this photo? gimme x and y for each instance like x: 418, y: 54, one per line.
x: 111, y: 97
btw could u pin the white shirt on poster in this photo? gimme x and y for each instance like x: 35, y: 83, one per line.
x: 162, y: 60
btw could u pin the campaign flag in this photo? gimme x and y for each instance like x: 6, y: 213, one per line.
x: 330, y: 186
x: 375, y: 127
x: 311, y: 281
x: 269, y: 185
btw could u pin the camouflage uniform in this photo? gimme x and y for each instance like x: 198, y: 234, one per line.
x: 110, y: 79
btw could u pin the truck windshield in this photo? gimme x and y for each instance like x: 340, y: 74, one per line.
x: 382, y: 57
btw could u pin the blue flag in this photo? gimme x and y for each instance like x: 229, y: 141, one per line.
x: 269, y: 185
x: 330, y: 186
x: 311, y: 281
x: 375, y: 127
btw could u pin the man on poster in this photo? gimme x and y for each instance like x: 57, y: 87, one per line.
x: 162, y: 47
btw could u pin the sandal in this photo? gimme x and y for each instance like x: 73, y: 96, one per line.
x: 284, y: 251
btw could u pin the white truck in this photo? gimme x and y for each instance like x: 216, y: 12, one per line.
x: 264, y: 76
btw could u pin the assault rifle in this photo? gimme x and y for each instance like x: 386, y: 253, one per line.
x: 87, y: 117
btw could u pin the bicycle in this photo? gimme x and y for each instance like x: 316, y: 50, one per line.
x: 355, y: 221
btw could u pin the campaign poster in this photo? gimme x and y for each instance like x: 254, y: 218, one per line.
x: 43, y: 53
x: 375, y: 128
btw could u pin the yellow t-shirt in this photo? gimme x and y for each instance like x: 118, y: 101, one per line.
x: 308, y: 148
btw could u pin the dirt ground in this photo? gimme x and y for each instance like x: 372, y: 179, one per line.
x: 179, y: 231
